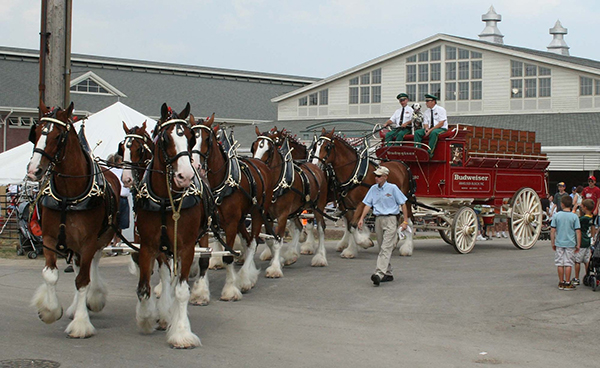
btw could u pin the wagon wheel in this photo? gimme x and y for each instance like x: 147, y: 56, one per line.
x: 446, y: 234
x: 376, y: 128
x: 464, y: 230
x: 525, y: 221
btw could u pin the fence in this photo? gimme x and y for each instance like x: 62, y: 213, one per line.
x: 8, y: 216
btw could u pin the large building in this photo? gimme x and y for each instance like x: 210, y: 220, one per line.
x: 480, y: 82
x: 237, y: 97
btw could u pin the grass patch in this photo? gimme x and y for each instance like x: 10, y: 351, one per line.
x: 8, y: 248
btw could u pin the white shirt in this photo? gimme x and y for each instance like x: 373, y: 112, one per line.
x: 439, y: 114
x: 398, y: 120
x: 118, y: 173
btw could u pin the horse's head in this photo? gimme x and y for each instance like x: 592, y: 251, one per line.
x: 204, y: 136
x: 136, y: 149
x: 265, y: 145
x: 49, y: 137
x: 174, y: 140
x: 323, y: 151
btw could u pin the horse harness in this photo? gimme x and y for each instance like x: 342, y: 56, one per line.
x: 98, y: 190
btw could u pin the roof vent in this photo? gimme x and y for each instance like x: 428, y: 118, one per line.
x: 558, y: 44
x: 491, y: 33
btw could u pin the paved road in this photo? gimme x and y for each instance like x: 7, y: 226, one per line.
x: 497, y: 305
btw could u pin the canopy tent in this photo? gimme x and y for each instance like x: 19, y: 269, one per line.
x: 103, y: 130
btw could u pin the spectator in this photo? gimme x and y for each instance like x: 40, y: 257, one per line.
x: 565, y: 235
x: 558, y: 195
x: 583, y: 256
x: 592, y: 192
x: 577, y: 199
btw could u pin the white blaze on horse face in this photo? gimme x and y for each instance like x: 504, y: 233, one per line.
x: 262, y: 147
x: 36, y: 159
x: 315, y: 159
x: 195, y: 156
x: 184, y: 173
x: 127, y: 175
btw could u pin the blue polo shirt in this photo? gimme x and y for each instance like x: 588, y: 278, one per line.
x: 566, y: 224
x: 385, y: 200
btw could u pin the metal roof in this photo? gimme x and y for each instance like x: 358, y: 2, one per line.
x: 231, y: 94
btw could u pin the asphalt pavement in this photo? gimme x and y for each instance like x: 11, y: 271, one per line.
x: 497, y: 306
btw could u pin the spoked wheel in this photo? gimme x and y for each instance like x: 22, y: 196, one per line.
x: 376, y: 128
x: 525, y: 221
x: 464, y: 230
x: 446, y: 234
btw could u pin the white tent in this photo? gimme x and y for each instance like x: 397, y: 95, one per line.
x: 104, y: 131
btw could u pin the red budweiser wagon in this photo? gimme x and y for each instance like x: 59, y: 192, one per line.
x: 502, y: 170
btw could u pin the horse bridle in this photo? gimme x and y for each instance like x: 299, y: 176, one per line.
x: 48, y: 124
x: 180, y: 126
x: 271, y: 152
x: 144, y: 148
x: 203, y: 156
x: 328, y: 149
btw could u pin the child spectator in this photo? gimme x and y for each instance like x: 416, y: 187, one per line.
x: 586, y: 222
x: 565, y: 236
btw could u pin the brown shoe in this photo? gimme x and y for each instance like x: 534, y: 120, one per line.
x: 569, y: 286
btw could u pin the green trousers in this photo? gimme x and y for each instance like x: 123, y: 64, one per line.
x: 433, y: 138
x: 396, y: 134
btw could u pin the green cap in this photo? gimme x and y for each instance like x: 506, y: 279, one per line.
x: 401, y: 95
x: 433, y: 97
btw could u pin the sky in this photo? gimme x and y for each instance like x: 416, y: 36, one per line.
x: 312, y: 38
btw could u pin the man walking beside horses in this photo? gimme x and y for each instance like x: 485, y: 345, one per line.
x: 385, y: 199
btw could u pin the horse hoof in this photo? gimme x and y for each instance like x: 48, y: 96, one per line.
x: 86, y: 336
x: 162, y: 326
x: 273, y: 274
x: 347, y: 255
x: 179, y: 347
x: 307, y: 252
x: 291, y: 261
x: 199, y: 303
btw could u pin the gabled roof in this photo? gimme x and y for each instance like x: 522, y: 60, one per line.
x: 571, y: 62
x: 101, y: 82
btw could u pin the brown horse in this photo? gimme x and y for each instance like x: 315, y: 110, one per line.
x: 241, y: 186
x: 80, y: 203
x: 352, y: 177
x: 170, y: 213
x: 298, y: 186
x: 137, y: 150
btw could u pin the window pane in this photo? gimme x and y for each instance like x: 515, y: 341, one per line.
x: 516, y: 69
x: 436, y: 53
x: 463, y: 70
x: 586, y: 86
x: 376, y: 76
x: 530, y: 70
x: 94, y: 89
x: 476, y: 90
x: 411, y: 91
x: 364, y: 95
x: 544, y: 71
x: 411, y: 59
x: 435, y: 89
x: 436, y: 72
x: 423, y: 72
x: 423, y: 89
x: 376, y: 94
x: 463, y: 54
x: 516, y: 88
x: 597, y: 86
x: 354, y: 81
x: 424, y: 56
x: 313, y: 99
x: 450, y: 91
x: 324, y: 97
x: 475, y: 55
x: 411, y: 73
x: 303, y: 101
x: 353, y: 95
x: 530, y: 87
x: 102, y: 90
x: 450, y: 53
x: 545, y: 87
x: 463, y: 90
x: 365, y: 78
x: 450, y: 71
x: 476, y: 69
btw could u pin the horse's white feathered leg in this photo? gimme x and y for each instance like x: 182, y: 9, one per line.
x: 343, y: 243
x: 407, y: 247
x: 293, y: 252
x: 320, y: 258
x: 166, y: 298
x: 230, y: 291
x: 179, y: 333
x: 45, y: 298
x: 267, y: 253
x: 81, y: 327
x: 352, y: 250
x: 146, y: 314
x: 248, y: 273
x: 97, y: 290
x: 308, y: 247
x: 274, y: 270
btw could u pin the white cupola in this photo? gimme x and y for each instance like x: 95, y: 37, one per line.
x: 558, y: 44
x: 491, y: 33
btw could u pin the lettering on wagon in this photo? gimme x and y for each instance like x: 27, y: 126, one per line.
x: 471, y: 182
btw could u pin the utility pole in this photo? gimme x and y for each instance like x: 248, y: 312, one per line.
x: 55, y: 53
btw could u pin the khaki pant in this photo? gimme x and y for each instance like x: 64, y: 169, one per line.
x: 385, y: 228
